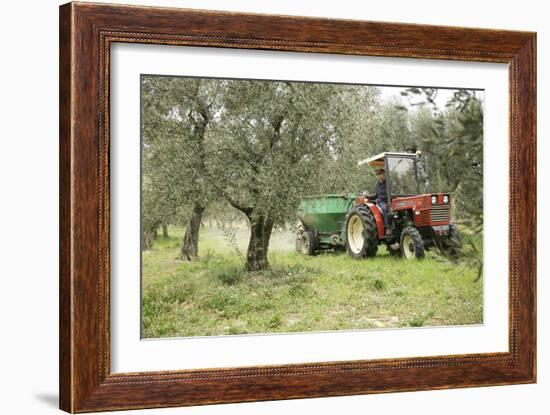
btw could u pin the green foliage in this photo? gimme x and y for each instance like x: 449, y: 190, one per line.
x: 251, y: 150
x: 228, y: 275
x: 275, y: 138
x: 452, y: 144
x: 419, y: 320
x: 379, y: 284
x: 177, y: 114
x: 452, y: 140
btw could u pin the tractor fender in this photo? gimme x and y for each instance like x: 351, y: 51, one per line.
x: 378, y: 217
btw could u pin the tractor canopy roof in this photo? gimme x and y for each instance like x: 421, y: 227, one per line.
x: 378, y: 160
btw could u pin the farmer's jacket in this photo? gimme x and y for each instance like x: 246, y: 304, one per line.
x: 381, y: 193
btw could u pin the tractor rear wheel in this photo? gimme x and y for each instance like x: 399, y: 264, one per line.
x: 305, y: 241
x: 411, y: 243
x: 361, y: 232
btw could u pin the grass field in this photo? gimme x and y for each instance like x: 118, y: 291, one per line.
x: 332, y: 291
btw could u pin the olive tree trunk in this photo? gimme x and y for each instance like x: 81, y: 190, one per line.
x: 147, y: 240
x: 165, y: 231
x: 260, y: 233
x: 190, y: 248
x: 149, y: 236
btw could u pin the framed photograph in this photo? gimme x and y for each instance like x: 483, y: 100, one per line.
x: 258, y: 207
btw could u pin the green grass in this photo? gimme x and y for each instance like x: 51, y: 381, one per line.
x: 332, y: 291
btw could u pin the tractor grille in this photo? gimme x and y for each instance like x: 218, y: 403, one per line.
x: 440, y: 213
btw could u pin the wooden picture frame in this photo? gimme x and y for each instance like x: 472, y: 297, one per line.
x: 86, y: 33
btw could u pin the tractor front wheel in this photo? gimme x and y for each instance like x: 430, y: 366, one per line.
x: 361, y: 232
x: 411, y: 244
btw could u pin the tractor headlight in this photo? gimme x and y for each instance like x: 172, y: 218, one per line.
x: 446, y: 199
x: 434, y: 200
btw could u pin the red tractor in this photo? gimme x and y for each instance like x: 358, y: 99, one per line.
x: 415, y: 221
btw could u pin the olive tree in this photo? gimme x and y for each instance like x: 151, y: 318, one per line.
x: 452, y: 140
x: 270, y: 149
x: 177, y: 115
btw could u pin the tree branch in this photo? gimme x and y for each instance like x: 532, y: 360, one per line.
x: 246, y: 210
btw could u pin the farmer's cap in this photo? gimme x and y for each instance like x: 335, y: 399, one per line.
x: 380, y: 171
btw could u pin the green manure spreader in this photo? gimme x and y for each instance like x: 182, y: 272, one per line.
x: 322, y: 223
x: 415, y: 221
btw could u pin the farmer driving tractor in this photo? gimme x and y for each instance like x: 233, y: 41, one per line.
x: 381, y: 194
x: 399, y: 215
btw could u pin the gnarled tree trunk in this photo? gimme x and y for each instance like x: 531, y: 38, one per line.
x: 165, y: 231
x: 190, y: 248
x: 147, y: 240
x: 149, y: 236
x: 260, y: 232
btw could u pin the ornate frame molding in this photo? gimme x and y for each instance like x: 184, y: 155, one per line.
x: 86, y: 33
